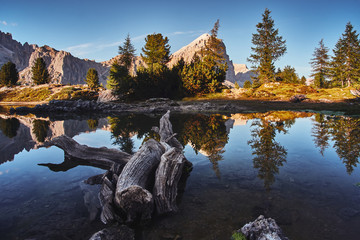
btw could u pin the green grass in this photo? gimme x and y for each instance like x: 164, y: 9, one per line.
x: 47, y: 93
x: 279, y: 92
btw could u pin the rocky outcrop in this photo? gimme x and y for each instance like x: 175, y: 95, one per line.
x: 235, y: 73
x: 67, y: 69
x: 263, y: 229
x: 62, y: 66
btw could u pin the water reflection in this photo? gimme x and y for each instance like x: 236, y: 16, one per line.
x: 9, y: 126
x: 344, y: 132
x: 207, y: 135
x: 123, y: 128
x: 269, y: 154
x: 40, y: 129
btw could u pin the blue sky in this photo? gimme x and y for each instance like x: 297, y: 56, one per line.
x: 94, y: 29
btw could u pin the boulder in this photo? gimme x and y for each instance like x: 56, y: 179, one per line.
x: 263, y: 229
x: 107, y: 96
x: 297, y: 98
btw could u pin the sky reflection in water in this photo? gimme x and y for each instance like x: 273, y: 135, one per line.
x: 299, y: 168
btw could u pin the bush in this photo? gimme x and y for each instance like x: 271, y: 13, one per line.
x: 9, y: 74
x: 247, y: 84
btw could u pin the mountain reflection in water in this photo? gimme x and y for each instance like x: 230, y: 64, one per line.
x: 250, y: 157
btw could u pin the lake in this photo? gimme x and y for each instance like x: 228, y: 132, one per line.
x: 298, y: 168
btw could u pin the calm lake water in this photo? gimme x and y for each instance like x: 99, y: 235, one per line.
x: 298, y: 168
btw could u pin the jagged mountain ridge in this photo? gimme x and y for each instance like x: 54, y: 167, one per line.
x: 67, y: 69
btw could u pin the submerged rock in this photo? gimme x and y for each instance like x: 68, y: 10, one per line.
x: 114, y: 233
x: 262, y: 229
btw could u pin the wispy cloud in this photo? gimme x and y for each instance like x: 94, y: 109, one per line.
x: 191, y: 33
x: 5, y: 23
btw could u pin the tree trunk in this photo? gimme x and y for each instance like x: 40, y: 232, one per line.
x: 167, y: 178
x: 131, y: 195
x: 77, y: 154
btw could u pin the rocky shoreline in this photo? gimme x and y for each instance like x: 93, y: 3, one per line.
x: 162, y: 105
x: 158, y: 105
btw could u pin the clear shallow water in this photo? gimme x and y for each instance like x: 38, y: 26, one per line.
x: 298, y: 168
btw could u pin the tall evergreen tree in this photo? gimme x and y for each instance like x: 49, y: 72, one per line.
x: 207, y: 71
x: 40, y: 72
x: 127, y: 53
x: 346, y: 61
x: 119, y: 80
x: 320, y: 65
x: 156, y: 50
x: 269, y: 47
x: 9, y: 74
x: 92, y: 78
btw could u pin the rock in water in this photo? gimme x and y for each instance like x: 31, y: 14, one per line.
x: 114, y: 233
x: 263, y: 229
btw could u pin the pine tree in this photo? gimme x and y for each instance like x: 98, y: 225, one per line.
x: 156, y: 50
x: 269, y: 47
x: 40, y: 72
x: 119, y: 80
x: 288, y: 75
x: 247, y: 84
x: 9, y: 74
x: 320, y: 65
x: 303, y: 80
x: 346, y: 61
x: 127, y: 53
x: 207, y: 71
x: 92, y: 78
x: 214, y: 48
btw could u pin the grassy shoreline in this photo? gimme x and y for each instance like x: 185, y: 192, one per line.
x: 269, y: 97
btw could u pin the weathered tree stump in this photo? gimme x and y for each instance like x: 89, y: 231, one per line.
x: 167, y: 178
x: 77, y: 154
x: 131, y: 195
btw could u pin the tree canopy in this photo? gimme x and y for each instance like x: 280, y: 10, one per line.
x: 345, y: 65
x: 320, y: 65
x: 156, y: 50
x: 9, y: 74
x: 127, y: 53
x: 268, y: 47
x: 92, y: 78
x: 40, y: 72
x: 207, y: 71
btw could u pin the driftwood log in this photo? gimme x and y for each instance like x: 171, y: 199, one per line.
x: 77, y: 154
x: 134, y: 185
x: 131, y: 194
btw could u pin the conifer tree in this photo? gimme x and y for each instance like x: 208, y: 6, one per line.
x: 303, y: 80
x: 127, y: 53
x: 119, y: 80
x: 207, y: 71
x: 346, y: 61
x: 156, y: 50
x: 92, y: 78
x: 269, y: 47
x: 9, y: 74
x: 40, y: 72
x: 320, y: 65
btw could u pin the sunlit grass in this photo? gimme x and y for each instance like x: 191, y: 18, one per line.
x: 279, y: 92
x: 47, y: 93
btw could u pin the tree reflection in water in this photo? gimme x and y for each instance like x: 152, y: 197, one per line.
x: 40, y: 129
x: 345, y: 132
x: 9, y: 126
x: 206, y: 134
x: 124, y: 127
x: 269, y: 154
